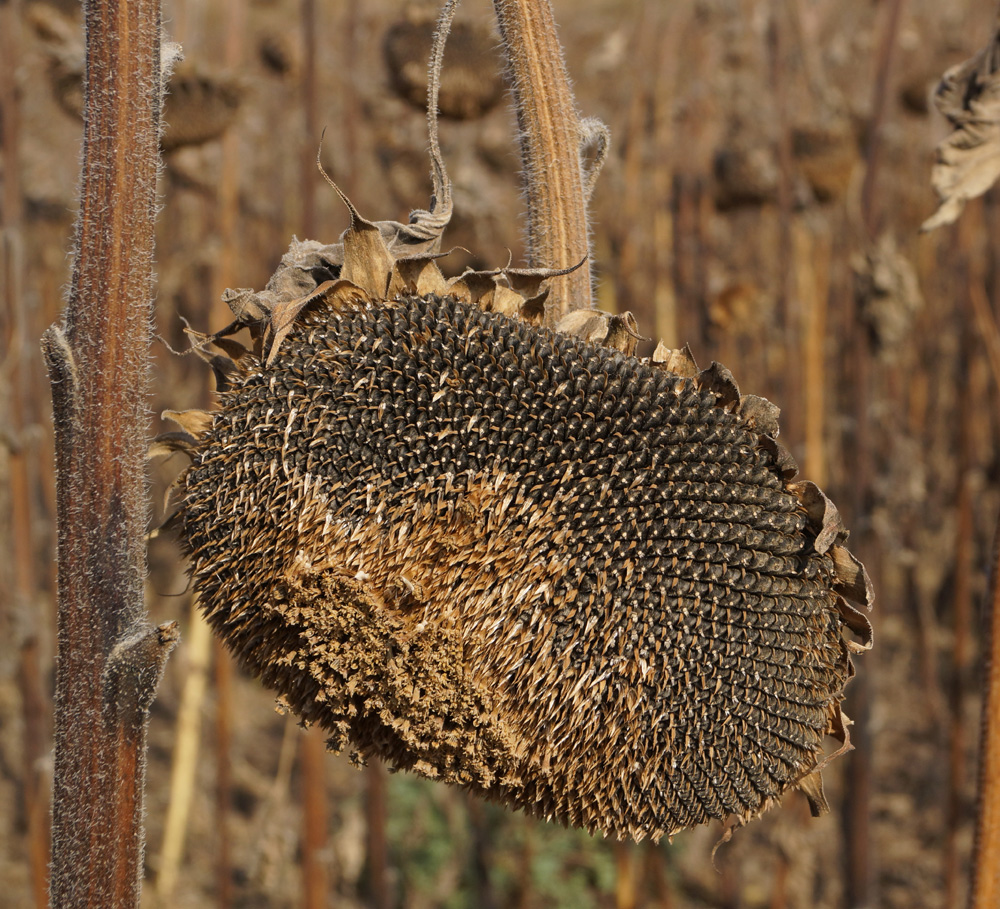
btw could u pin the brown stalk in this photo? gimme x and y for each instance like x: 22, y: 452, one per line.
x: 551, y: 138
x: 223, y: 772
x: 314, y: 876
x: 984, y: 885
x: 984, y: 891
x: 225, y: 276
x: 788, y: 301
x: 109, y: 657
x: 22, y: 477
x: 962, y: 609
x: 631, y: 247
x: 378, y: 858
x: 860, y: 872
x: 313, y: 747
x: 481, y: 854
x: 812, y: 275
x: 687, y: 254
x: 626, y: 883
x: 880, y: 103
x: 184, y: 763
x: 984, y: 888
x: 971, y: 388
x: 664, y: 95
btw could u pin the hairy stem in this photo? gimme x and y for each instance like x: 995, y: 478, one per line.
x: 109, y: 658
x: 551, y: 138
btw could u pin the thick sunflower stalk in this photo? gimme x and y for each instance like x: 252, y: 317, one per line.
x: 109, y: 657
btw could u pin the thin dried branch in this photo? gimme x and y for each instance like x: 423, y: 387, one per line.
x: 552, y: 138
x: 109, y: 657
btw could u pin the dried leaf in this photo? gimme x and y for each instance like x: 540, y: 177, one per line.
x: 968, y: 161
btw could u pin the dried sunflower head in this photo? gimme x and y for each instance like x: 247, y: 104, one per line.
x: 516, y: 559
x: 577, y: 581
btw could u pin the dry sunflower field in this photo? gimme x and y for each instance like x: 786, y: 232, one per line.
x: 761, y: 202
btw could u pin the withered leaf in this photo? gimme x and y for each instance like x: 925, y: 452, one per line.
x: 968, y: 160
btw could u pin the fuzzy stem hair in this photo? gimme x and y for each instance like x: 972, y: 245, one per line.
x: 109, y: 657
x: 551, y: 137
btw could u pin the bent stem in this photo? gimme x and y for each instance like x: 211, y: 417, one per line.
x: 109, y: 658
x: 551, y: 138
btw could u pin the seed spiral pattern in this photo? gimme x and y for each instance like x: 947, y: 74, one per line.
x: 569, y: 579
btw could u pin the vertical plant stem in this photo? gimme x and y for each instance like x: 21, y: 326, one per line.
x: 880, y: 103
x: 961, y: 616
x: 313, y: 746
x: 860, y: 871
x: 223, y: 772
x: 660, y: 889
x: 626, y: 884
x: 109, y: 657
x: 984, y: 891
x: 664, y: 291
x: 685, y: 226
x: 183, y: 771
x: 972, y: 391
x: 378, y: 858
x: 632, y: 246
x: 226, y: 275
x: 314, y: 876
x: 550, y: 150
x: 812, y: 256
x: 307, y: 163
x: 23, y: 605
x: 788, y: 299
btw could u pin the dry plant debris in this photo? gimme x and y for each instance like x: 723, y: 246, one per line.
x: 516, y: 559
x: 968, y: 160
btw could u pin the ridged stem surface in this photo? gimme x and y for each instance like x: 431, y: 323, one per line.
x: 550, y: 150
x: 109, y: 658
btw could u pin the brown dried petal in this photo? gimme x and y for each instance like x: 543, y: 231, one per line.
x: 719, y: 379
x: 586, y: 324
x: 852, y: 579
x: 680, y: 362
x: 823, y: 515
x: 760, y: 414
